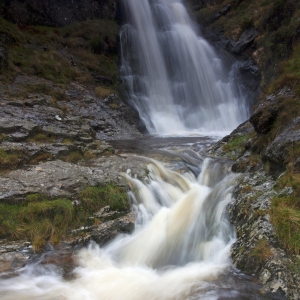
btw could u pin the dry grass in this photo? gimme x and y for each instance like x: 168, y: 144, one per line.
x: 62, y: 55
x: 103, y: 92
x: 73, y: 157
x: 41, y: 138
x: 262, y: 252
x: 8, y: 160
x: 285, y: 213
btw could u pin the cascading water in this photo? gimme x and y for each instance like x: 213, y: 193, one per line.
x: 174, y: 78
x: 178, y: 250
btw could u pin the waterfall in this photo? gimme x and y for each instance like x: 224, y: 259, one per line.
x: 179, y: 248
x: 174, y: 78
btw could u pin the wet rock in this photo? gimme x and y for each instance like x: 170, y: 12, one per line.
x: 109, y: 230
x: 266, y: 111
x: 249, y: 213
x: 278, y: 150
x: 245, y: 41
x: 106, y: 214
x: 104, y: 232
x: 251, y: 76
x: 13, y: 254
x: 102, y: 79
x: 222, y: 12
x: 3, y: 58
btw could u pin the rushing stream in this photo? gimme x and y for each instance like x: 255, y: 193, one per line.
x: 178, y: 250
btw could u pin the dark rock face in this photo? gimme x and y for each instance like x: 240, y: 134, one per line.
x: 257, y: 250
x: 3, y: 58
x: 266, y: 112
x: 245, y: 41
x: 56, y: 13
x: 202, y: 3
x: 278, y: 151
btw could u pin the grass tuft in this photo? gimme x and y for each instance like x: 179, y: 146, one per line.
x: 99, y: 196
x: 8, y: 160
x: 262, y: 252
x: 41, y: 220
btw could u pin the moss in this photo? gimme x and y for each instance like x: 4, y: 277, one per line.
x: 285, y: 216
x: 262, y: 252
x: 41, y: 51
x: 89, y: 155
x: 235, y: 147
x: 285, y: 213
x: 38, y: 219
x: 41, y: 219
x: 103, y: 92
x: 73, y: 157
x: 289, y: 74
x: 41, y: 138
x: 41, y: 158
x: 99, y: 196
x: 8, y: 160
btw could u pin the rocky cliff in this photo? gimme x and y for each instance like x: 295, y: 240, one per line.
x: 266, y: 36
x: 56, y: 13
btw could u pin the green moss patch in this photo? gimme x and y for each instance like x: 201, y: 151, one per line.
x: 262, y: 252
x: 62, y: 55
x: 285, y: 213
x: 41, y: 219
x: 99, y: 196
x: 8, y: 160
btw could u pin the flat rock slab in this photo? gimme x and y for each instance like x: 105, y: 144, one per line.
x: 62, y: 179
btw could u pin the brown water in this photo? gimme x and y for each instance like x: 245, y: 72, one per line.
x: 180, y: 246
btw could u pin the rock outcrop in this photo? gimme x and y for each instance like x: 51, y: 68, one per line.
x: 56, y: 13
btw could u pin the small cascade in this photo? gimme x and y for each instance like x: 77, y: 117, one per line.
x: 175, y: 79
x: 178, y: 250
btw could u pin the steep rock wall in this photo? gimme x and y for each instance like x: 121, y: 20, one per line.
x: 56, y: 12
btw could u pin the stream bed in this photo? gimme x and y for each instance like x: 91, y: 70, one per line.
x: 179, y: 249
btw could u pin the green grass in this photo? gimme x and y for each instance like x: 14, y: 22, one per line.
x: 8, y: 160
x: 41, y: 138
x: 98, y: 196
x: 73, y: 157
x: 235, y: 148
x: 237, y: 143
x: 41, y: 219
x: 262, y: 252
x: 91, y: 46
x: 285, y: 213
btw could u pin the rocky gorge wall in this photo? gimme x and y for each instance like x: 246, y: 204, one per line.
x: 56, y: 13
x: 265, y: 35
x: 61, y: 98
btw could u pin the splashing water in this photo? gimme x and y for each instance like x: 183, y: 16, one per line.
x: 175, y: 79
x: 181, y: 243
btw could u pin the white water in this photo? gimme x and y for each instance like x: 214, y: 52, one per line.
x: 175, y: 79
x: 180, y: 245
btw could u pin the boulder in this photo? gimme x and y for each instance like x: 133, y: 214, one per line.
x: 245, y: 41
x: 266, y: 112
x: 278, y: 150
